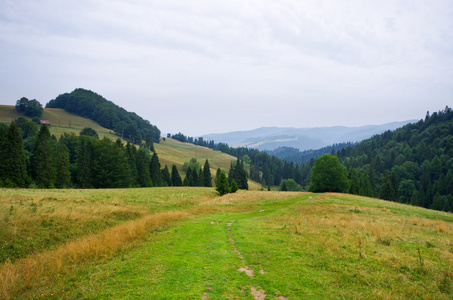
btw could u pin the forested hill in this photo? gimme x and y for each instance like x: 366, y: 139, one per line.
x: 90, y: 105
x: 413, y: 164
x: 303, y: 157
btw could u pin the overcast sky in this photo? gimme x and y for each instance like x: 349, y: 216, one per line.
x: 217, y: 66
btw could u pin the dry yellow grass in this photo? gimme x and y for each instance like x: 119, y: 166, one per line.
x: 28, y: 273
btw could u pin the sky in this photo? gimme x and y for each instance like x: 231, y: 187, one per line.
x: 200, y: 67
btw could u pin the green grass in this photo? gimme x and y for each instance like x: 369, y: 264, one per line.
x: 330, y: 247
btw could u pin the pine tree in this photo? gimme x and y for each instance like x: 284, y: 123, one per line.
x: 85, y: 163
x: 14, y: 166
x: 142, y: 166
x: 111, y: 168
x: 234, y: 187
x: 132, y: 158
x: 175, y: 177
x: 63, y: 175
x: 154, y: 170
x: 222, y: 185
x: 166, y: 177
x: 42, y: 164
x: 207, y: 178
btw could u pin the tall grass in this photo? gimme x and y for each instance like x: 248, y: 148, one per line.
x: 26, y: 275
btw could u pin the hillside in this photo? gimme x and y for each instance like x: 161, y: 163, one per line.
x: 413, y: 164
x: 188, y: 243
x: 60, y: 120
x: 93, y: 106
x: 270, y: 138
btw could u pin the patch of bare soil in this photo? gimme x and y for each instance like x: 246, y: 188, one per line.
x: 258, y: 294
x: 247, y: 271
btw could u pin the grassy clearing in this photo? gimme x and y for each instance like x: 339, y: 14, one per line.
x: 332, y: 246
x: 188, y: 243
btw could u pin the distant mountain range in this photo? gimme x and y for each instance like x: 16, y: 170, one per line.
x: 270, y: 138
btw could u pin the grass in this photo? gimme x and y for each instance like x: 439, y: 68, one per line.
x: 188, y: 243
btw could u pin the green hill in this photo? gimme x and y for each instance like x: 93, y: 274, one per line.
x: 93, y: 106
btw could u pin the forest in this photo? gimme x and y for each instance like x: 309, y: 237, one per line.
x: 413, y: 164
x: 90, y: 105
x: 32, y: 158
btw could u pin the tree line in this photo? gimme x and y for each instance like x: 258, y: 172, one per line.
x: 90, y: 105
x: 413, y: 164
x: 31, y: 157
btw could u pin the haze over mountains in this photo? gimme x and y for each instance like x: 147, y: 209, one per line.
x: 270, y: 138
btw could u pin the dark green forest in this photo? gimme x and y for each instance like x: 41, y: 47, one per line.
x: 413, y: 164
x: 31, y: 157
x: 90, y: 105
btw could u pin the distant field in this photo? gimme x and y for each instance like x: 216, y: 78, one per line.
x: 188, y: 243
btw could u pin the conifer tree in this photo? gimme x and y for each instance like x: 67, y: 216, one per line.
x: 207, y: 178
x: 154, y: 170
x: 222, y: 185
x: 42, y: 164
x: 111, y: 168
x: 3, y: 152
x: 142, y: 166
x: 175, y: 177
x: 166, y: 177
x: 14, y: 166
x: 234, y: 186
x: 63, y: 174
x: 85, y: 163
x: 132, y: 158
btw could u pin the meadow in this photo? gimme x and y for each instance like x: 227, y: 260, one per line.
x: 189, y: 243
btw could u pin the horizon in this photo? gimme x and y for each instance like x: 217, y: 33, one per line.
x: 201, y: 66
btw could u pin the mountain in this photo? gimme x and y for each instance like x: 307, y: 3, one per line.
x: 270, y: 138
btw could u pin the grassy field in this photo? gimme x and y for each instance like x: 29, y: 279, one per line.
x: 188, y: 243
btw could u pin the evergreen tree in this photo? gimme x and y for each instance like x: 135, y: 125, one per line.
x: 194, y: 178
x: 14, y: 165
x: 111, y: 168
x: 154, y: 170
x: 63, y: 175
x: 3, y: 152
x: 85, y: 163
x: 166, y: 177
x: 134, y: 162
x: 234, y: 187
x: 207, y: 178
x: 142, y: 166
x: 175, y: 177
x: 42, y: 164
x: 222, y: 185
x: 238, y: 173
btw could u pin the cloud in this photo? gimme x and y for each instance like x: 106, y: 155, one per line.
x: 285, y: 63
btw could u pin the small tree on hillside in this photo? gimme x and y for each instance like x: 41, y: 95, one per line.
x: 222, y: 185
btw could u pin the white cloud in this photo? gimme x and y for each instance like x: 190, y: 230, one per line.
x: 285, y: 63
